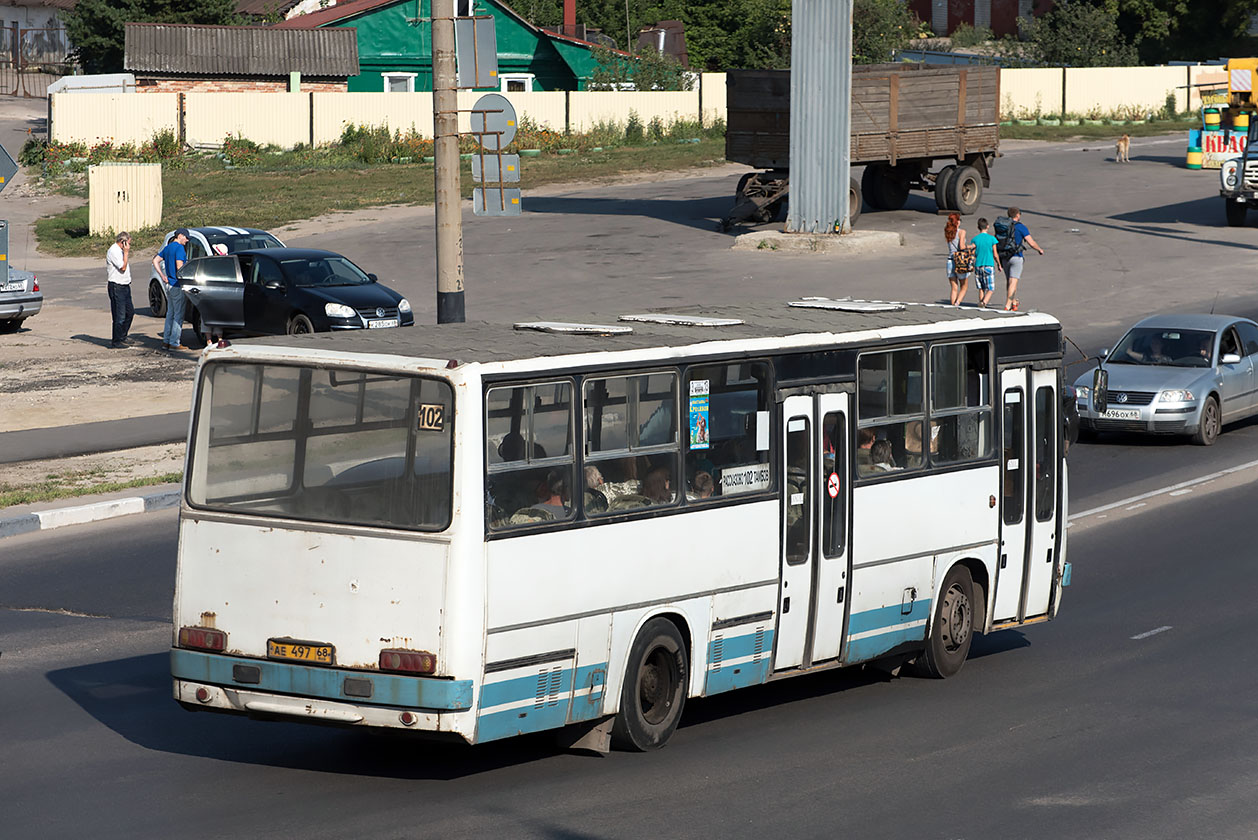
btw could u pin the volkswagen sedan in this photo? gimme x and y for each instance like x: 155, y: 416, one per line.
x: 289, y: 290
x: 1177, y: 374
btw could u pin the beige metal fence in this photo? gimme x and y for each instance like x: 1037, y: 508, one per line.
x: 123, y: 196
x: 119, y: 117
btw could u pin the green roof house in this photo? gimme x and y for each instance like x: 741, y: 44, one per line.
x: 395, y: 46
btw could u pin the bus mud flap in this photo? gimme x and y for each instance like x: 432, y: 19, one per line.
x: 593, y: 737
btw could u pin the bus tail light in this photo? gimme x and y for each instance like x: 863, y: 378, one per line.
x: 202, y: 638
x: 408, y: 661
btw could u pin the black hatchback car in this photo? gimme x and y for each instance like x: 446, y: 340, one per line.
x: 289, y: 290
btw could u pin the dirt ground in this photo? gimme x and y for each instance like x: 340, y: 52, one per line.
x: 93, y: 470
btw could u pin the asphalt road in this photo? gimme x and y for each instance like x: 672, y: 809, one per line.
x: 1082, y: 727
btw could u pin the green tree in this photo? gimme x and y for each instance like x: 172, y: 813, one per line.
x: 1163, y: 30
x: 645, y: 69
x: 878, y: 28
x: 96, y: 28
x: 1081, y: 35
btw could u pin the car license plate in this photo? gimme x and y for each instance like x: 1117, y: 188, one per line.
x: 300, y: 651
x: 13, y: 286
x: 1121, y: 414
x: 387, y: 322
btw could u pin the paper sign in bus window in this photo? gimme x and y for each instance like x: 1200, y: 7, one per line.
x: 431, y: 417
x: 699, y: 433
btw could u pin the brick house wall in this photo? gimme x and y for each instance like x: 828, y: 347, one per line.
x: 150, y: 85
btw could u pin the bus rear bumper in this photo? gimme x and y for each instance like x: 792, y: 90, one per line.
x: 264, y: 688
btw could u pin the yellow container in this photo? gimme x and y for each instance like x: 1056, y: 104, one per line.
x: 1240, y: 122
x: 1211, y: 119
x: 1194, y: 157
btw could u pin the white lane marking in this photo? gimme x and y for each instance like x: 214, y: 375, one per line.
x: 1152, y: 632
x: 1192, y: 482
x: 1137, y: 506
x: 1181, y: 492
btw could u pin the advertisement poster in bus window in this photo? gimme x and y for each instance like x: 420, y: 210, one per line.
x: 699, y: 414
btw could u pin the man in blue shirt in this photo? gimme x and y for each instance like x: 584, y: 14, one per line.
x: 984, y: 245
x: 169, y: 261
x: 1011, y: 264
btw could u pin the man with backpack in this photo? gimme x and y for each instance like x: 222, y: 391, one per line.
x: 1011, y: 238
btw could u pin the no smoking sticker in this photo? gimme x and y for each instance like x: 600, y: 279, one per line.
x: 832, y: 485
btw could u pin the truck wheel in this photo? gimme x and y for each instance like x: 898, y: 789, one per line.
x: 741, y: 189
x: 883, y: 187
x: 853, y: 201
x: 965, y: 190
x: 1235, y: 212
x: 942, y: 182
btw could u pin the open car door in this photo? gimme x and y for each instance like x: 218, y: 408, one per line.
x: 215, y: 287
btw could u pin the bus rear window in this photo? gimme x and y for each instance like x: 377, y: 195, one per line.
x: 330, y: 446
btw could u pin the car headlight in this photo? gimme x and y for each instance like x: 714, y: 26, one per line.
x: 1176, y: 395
x: 404, y: 305
x: 339, y: 310
x: 1082, y: 392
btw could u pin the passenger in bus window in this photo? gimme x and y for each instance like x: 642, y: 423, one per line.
x: 595, y: 499
x: 864, y: 441
x: 552, y: 494
x: 701, y: 486
x: 880, y: 456
x: 657, y: 486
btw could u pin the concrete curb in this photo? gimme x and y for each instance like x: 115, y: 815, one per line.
x: 856, y: 242
x: 59, y: 517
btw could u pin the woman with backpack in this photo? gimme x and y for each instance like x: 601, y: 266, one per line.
x: 960, y: 258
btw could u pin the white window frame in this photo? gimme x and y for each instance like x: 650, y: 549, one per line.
x: 527, y: 78
x: 410, y: 81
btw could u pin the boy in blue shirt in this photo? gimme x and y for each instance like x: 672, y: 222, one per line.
x: 169, y: 261
x: 985, y: 261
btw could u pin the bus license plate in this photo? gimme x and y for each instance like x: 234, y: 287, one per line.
x: 300, y: 651
x: 1121, y: 414
x: 387, y: 322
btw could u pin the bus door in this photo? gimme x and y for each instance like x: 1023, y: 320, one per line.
x: 799, y: 467
x: 1013, y: 483
x: 1045, y: 437
x: 832, y: 491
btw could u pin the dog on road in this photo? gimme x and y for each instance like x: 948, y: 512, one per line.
x: 1122, y: 148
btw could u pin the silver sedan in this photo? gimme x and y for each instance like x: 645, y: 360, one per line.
x: 1177, y: 374
x: 20, y: 298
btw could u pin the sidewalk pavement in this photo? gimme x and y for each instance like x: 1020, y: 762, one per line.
x: 89, y: 438
x: 43, y: 516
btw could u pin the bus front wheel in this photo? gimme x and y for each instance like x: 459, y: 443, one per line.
x: 948, y: 642
x: 654, y: 689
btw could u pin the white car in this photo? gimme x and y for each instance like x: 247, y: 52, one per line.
x: 204, y: 242
x: 20, y: 298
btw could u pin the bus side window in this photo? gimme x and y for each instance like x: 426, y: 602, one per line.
x: 726, y: 418
x: 960, y: 402
x: 632, y: 441
x: 892, y: 434
x: 529, y: 457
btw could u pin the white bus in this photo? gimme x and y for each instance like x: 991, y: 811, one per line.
x: 481, y: 531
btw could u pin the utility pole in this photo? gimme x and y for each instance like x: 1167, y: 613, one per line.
x: 445, y: 120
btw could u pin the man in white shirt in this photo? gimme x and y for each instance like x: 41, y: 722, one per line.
x: 118, y: 270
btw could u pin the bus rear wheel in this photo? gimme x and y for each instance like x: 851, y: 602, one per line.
x: 948, y: 642
x: 654, y: 689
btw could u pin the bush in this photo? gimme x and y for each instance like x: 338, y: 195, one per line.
x: 240, y: 151
x: 165, y: 145
x: 971, y: 36
x: 633, y: 130
x: 33, y: 152
x: 655, y: 130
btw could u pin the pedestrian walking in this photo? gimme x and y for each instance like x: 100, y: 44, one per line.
x: 168, y: 262
x: 118, y: 282
x: 984, y: 263
x: 1013, y: 242
x: 959, y: 259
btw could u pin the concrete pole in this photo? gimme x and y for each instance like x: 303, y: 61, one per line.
x: 445, y: 120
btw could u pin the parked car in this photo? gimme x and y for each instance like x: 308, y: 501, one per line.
x: 290, y: 290
x: 20, y: 298
x: 1176, y: 374
x: 204, y: 242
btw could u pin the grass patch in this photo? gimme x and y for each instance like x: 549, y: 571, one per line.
x: 71, y: 485
x: 205, y: 193
x: 1090, y: 132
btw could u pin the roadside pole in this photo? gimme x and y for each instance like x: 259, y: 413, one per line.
x: 445, y: 120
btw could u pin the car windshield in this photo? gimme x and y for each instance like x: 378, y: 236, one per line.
x: 324, y: 271
x: 244, y: 241
x: 1164, y: 346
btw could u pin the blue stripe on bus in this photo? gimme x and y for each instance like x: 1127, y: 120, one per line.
x: 327, y: 683
x: 504, y: 724
x: 863, y: 622
x: 872, y: 647
x: 565, y: 708
x: 742, y: 674
x: 520, y: 688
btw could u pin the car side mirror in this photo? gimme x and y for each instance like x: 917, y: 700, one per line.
x: 1100, y: 390
x: 1105, y: 353
x: 373, y: 278
x: 1230, y: 359
x: 273, y: 284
